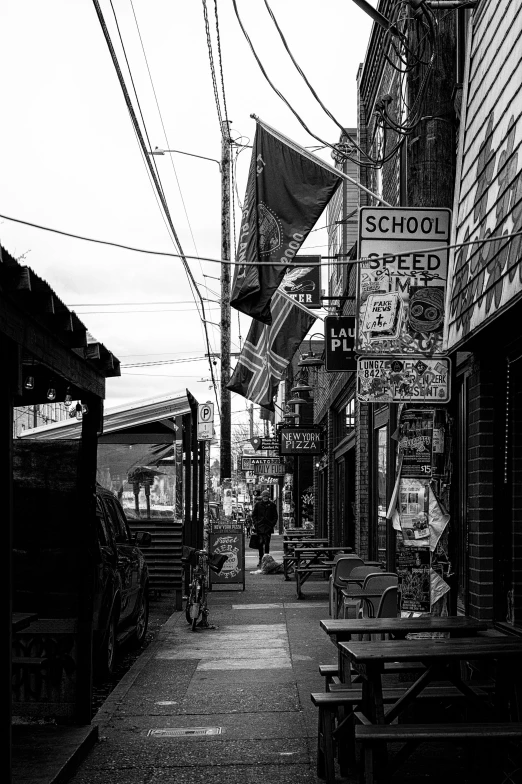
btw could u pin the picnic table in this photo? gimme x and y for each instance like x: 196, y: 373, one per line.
x: 290, y: 544
x: 440, y: 659
x: 313, y: 560
x: 342, y: 630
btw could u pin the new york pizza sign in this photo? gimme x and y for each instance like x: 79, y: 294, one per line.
x: 301, y: 441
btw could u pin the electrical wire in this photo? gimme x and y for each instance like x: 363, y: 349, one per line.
x: 157, y: 183
x: 505, y: 237
x: 213, y: 73
x: 218, y: 41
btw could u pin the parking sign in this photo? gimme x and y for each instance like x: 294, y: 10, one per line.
x: 205, y: 421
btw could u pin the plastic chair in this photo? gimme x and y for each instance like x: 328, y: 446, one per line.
x: 377, y: 584
x: 340, y: 573
x: 330, y: 581
x: 387, y: 609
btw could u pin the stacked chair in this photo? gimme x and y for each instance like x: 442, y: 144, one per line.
x: 341, y: 571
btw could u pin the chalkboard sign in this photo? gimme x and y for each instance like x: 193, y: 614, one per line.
x: 413, y: 571
x: 301, y: 441
x: 227, y: 538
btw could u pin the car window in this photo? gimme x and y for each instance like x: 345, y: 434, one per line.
x: 101, y: 524
x: 122, y: 531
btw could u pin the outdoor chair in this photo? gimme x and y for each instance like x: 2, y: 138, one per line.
x: 340, y: 574
x: 362, y: 597
x: 330, y: 579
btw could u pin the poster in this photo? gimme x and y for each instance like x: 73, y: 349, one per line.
x: 413, y: 572
x: 413, y: 512
x: 416, y: 442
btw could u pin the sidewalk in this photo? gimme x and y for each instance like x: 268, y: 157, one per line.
x: 244, y: 685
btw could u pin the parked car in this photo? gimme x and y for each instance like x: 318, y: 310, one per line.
x: 121, y: 593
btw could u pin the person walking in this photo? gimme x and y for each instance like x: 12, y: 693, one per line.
x: 264, y: 517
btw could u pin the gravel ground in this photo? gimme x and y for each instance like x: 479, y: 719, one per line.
x: 161, y: 608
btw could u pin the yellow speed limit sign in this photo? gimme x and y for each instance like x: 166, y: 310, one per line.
x: 205, y: 421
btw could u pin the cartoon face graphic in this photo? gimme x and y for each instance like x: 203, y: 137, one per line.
x: 426, y: 311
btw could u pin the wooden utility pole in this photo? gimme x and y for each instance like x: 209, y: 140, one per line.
x: 225, y: 437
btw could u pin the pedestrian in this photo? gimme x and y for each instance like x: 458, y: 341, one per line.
x: 248, y: 523
x: 264, y: 517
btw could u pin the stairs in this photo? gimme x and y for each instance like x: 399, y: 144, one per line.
x: 163, y: 557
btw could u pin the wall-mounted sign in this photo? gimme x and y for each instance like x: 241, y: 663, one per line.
x: 268, y: 480
x: 339, y: 342
x: 401, y: 379
x: 250, y: 463
x: 402, y: 282
x: 205, y: 428
x: 304, y: 283
x: 301, y: 441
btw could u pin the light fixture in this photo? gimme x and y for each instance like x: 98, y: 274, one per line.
x: 78, y: 411
x: 85, y: 408
x: 68, y: 397
x: 29, y: 382
x: 51, y: 392
x: 302, y: 383
x: 297, y: 401
x: 312, y: 359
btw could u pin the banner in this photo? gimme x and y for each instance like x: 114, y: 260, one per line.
x: 269, y: 349
x: 287, y: 190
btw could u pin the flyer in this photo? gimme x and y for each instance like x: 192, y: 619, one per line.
x: 413, y: 571
x: 416, y: 442
x: 413, y: 512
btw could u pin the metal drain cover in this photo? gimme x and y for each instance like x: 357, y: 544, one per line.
x: 177, y: 732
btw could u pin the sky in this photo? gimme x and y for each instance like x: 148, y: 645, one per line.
x: 70, y: 159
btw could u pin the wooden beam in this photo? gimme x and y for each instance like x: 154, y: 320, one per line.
x: 18, y: 326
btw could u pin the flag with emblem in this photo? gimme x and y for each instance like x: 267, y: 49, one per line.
x: 287, y: 190
x: 268, y: 349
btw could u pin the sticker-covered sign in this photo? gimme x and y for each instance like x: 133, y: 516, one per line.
x: 402, y: 280
x: 400, y: 379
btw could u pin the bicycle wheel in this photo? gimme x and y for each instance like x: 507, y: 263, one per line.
x: 192, y: 605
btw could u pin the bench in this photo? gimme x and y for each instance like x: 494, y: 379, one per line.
x: 413, y: 734
x: 338, y: 711
x: 331, y: 672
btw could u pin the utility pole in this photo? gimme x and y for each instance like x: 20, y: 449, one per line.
x: 225, y: 438
x: 251, y: 418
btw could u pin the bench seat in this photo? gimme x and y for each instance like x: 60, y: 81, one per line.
x: 413, y: 734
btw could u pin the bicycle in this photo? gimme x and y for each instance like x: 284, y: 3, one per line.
x: 197, y: 605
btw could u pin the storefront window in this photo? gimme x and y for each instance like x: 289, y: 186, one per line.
x: 350, y: 415
x: 381, y: 497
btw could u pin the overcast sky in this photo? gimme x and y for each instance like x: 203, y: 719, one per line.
x: 70, y: 159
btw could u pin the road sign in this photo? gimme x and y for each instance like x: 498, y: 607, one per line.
x: 403, y: 379
x: 339, y: 342
x: 402, y: 280
x: 205, y: 429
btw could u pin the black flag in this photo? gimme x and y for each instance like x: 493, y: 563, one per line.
x: 287, y: 191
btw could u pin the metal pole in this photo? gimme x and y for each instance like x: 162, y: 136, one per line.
x: 225, y: 438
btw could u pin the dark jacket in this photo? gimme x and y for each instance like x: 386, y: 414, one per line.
x: 264, y: 516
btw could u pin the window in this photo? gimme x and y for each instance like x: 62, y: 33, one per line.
x: 350, y: 415
x: 117, y: 521
x: 381, y: 447
x: 103, y: 534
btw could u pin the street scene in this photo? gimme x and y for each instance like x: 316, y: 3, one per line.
x: 263, y: 398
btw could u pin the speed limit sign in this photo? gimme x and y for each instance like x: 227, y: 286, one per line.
x: 205, y: 421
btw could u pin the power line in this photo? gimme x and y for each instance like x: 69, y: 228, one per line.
x: 152, y: 171
x: 339, y: 256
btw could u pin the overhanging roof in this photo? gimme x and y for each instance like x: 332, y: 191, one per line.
x: 121, y: 418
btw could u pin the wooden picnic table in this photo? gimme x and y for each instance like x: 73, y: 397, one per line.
x: 314, y: 560
x: 342, y: 630
x: 290, y: 545
x: 439, y: 657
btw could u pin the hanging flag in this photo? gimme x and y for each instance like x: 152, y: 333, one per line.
x: 288, y: 188
x: 268, y: 349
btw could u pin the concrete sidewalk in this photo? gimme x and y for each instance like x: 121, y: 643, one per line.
x: 244, y: 685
